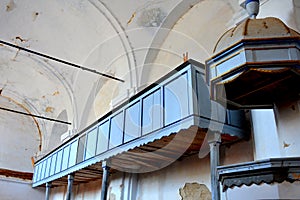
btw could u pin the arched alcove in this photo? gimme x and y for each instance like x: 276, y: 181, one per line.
x: 20, y: 138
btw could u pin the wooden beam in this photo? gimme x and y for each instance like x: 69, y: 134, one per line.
x: 16, y: 174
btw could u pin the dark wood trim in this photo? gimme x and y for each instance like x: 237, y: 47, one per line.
x: 16, y: 174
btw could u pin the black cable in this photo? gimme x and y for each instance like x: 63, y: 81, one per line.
x: 61, y: 61
x: 37, y: 116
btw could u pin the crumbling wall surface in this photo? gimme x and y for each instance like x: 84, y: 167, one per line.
x: 194, y: 191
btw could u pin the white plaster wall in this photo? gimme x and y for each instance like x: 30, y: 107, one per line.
x: 90, y: 190
x: 265, y: 134
x: 165, y: 184
x: 13, y: 189
x: 262, y: 191
x: 287, y: 117
x: 237, y: 153
x: 283, y: 190
x: 196, y: 32
x: 19, y: 143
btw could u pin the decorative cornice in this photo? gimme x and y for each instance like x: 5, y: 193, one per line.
x: 273, y: 170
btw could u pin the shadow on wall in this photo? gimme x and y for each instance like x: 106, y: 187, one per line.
x: 57, y: 130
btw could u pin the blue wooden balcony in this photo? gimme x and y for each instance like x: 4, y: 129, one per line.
x: 166, y: 121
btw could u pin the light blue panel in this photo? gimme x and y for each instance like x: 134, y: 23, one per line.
x: 151, y: 112
x: 132, y: 122
x: 48, y: 165
x: 65, y: 160
x: 58, y: 161
x: 81, y: 148
x: 103, y: 134
x: 176, y: 99
x: 116, y: 130
x: 53, y: 164
x: 91, y: 143
x: 73, y: 153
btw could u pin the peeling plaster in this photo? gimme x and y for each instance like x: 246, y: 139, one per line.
x: 49, y: 109
x: 194, y: 191
x: 21, y: 39
x: 286, y: 145
x: 10, y: 6
x: 152, y: 17
x: 55, y: 93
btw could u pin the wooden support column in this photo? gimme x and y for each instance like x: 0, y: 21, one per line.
x: 105, y: 179
x: 214, y: 144
x: 48, y: 189
x: 70, y: 186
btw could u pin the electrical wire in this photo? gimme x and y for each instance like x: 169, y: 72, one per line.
x: 61, y: 61
x: 32, y: 115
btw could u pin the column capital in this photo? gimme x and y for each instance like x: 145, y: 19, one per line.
x: 71, y: 176
x: 106, y: 164
x: 48, y: 184
x: 214, y: 138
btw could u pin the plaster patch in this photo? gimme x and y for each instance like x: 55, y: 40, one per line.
x: 151, y: 17
x: 194, y: 191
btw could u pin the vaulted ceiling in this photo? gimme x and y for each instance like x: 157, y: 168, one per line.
x: 137, y: 41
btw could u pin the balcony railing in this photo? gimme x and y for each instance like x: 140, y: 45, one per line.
x: 178, y: 101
